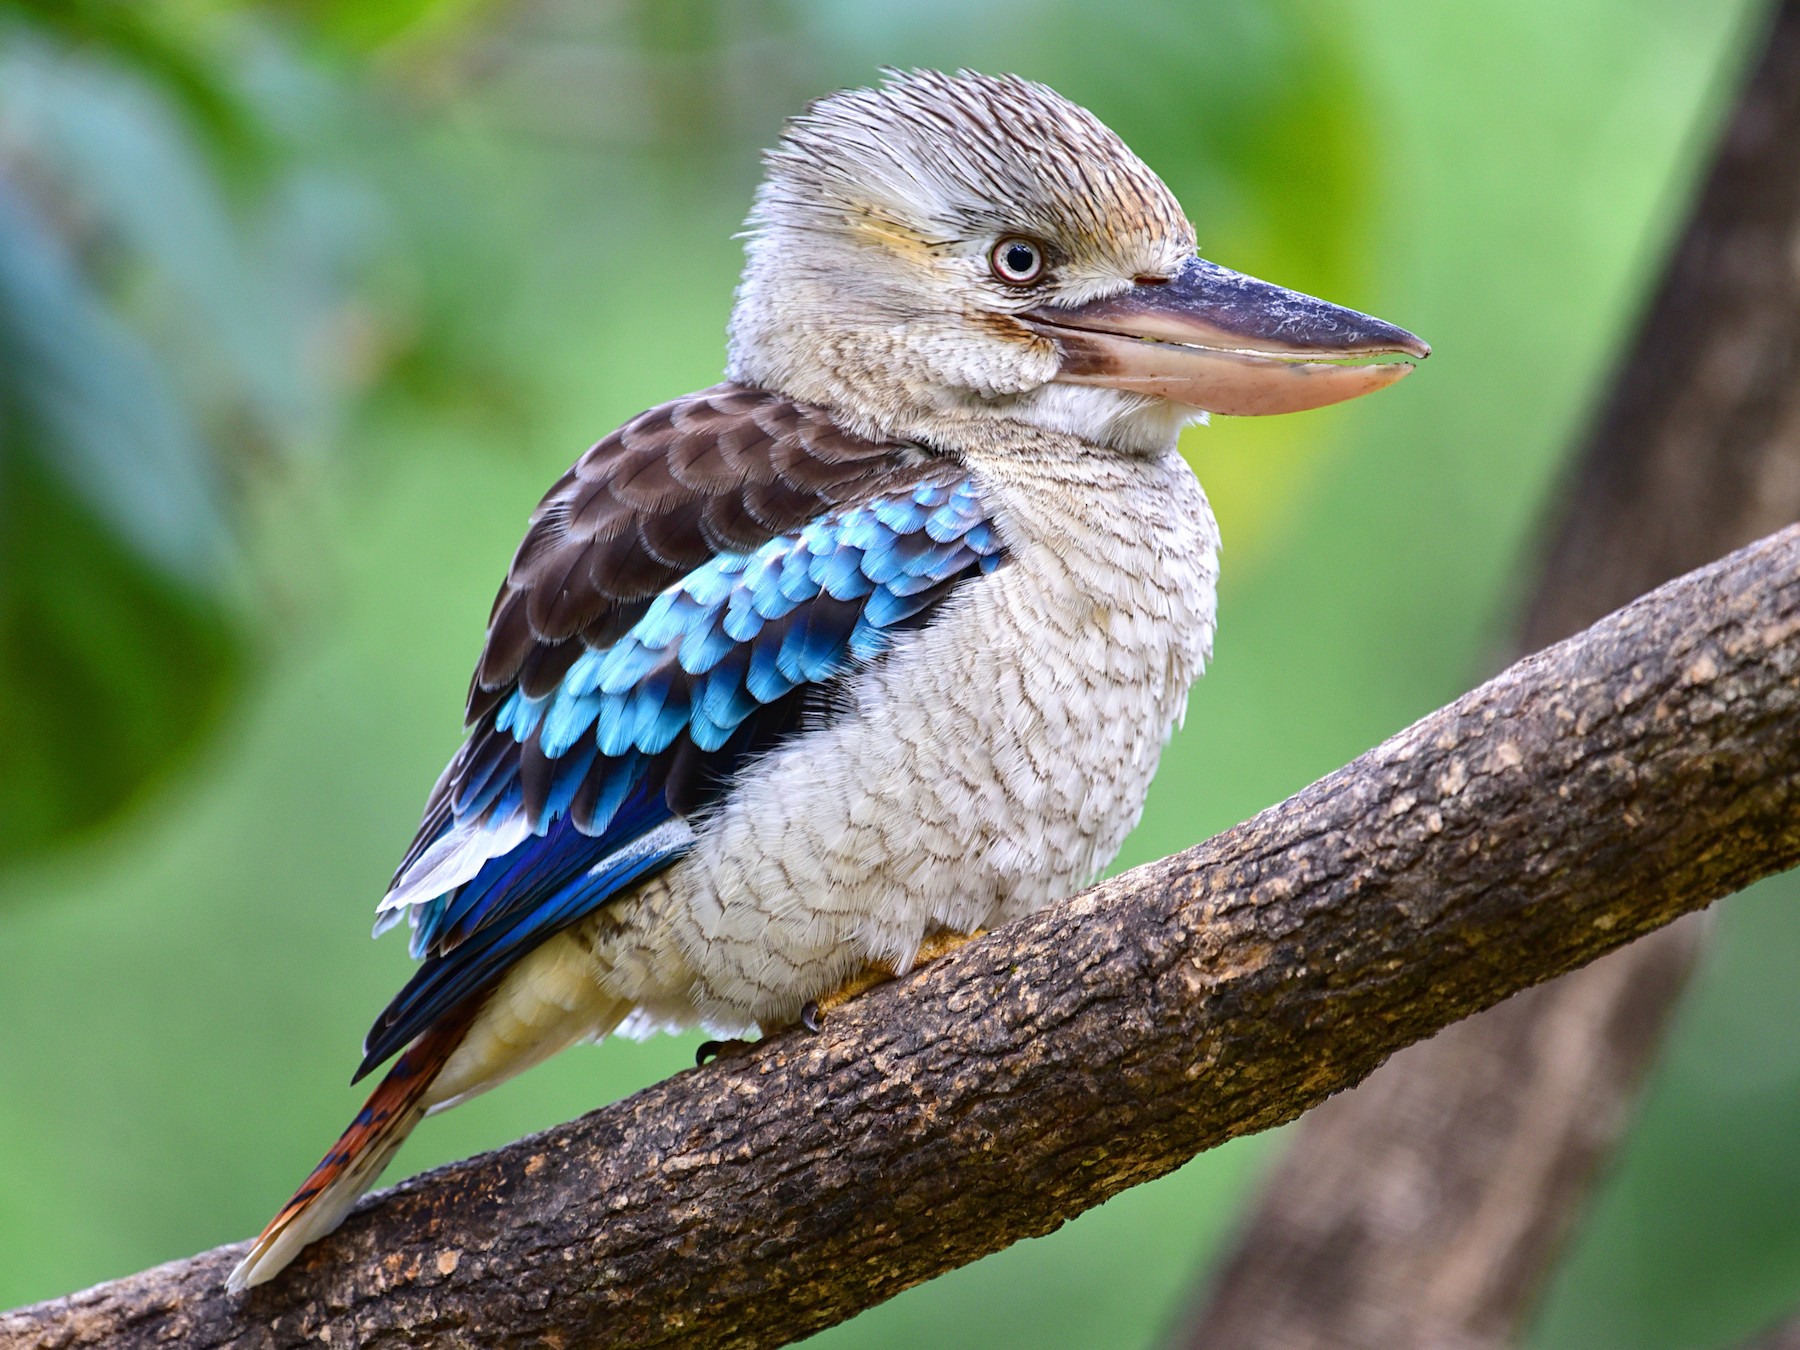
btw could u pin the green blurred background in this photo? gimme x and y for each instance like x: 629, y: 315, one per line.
x: 303, y: 304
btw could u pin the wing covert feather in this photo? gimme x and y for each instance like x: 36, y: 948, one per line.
x: 723, y: 470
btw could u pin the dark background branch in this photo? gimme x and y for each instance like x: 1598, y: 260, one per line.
x: 1427, y: 1208
x: 1581, y: 799
x: 1784, y: 1336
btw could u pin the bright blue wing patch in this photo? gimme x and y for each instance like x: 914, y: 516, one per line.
x: 888, y: 555
x: 592, y: 779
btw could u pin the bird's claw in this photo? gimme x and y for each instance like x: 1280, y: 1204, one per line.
x: 811, y: 1018
x: 707, y: 1051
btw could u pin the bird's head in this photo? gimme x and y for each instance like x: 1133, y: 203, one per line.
x: 963, y: 244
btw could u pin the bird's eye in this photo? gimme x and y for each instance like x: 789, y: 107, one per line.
x: 1017, y: 262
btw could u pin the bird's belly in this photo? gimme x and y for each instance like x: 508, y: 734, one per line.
x: 991, y: 763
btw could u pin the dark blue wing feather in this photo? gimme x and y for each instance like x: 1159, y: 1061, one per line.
x: 515, y: 902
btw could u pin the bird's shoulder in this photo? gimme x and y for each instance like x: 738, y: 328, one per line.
x: 720, y: 471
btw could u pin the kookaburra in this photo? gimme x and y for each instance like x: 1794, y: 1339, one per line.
x: 873, y: 645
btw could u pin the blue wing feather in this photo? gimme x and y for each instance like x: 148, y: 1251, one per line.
x: 712, y: 668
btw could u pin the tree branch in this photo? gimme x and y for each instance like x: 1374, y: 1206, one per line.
x: 1584, y: 797
x: 1784, y: 1335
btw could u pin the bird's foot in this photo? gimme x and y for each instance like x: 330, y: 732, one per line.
x: 940, y: 943
x: 711, y: 1050
x: 812, y: 1012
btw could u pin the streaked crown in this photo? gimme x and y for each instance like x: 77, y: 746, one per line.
x: 952, y: 159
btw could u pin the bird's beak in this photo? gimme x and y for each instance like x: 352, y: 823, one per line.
x: 1216, y: 339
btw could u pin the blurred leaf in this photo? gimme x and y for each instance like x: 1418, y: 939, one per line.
x: 109, y: 670
x: 95, y: 407
x: 111, y: 536
x: 365, y: 24
x: 240, y: 297
x: 160, y: 336
x: 144, y: 36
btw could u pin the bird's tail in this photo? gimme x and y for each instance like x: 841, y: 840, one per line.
x: 360, y: 1155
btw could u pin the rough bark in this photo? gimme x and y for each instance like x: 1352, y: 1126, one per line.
x: 1427, y: 1208
x: 1583, y: 798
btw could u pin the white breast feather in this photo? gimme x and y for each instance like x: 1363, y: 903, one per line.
x: 994, y: 760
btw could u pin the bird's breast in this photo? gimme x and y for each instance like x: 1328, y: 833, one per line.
x: 990, y: 762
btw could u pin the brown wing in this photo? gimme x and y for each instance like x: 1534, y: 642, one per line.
x: 723, y: 470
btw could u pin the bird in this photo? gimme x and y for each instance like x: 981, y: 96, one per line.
x: 802, y: 679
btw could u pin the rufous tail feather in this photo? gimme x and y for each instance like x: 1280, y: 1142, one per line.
x: 360, y: 1155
